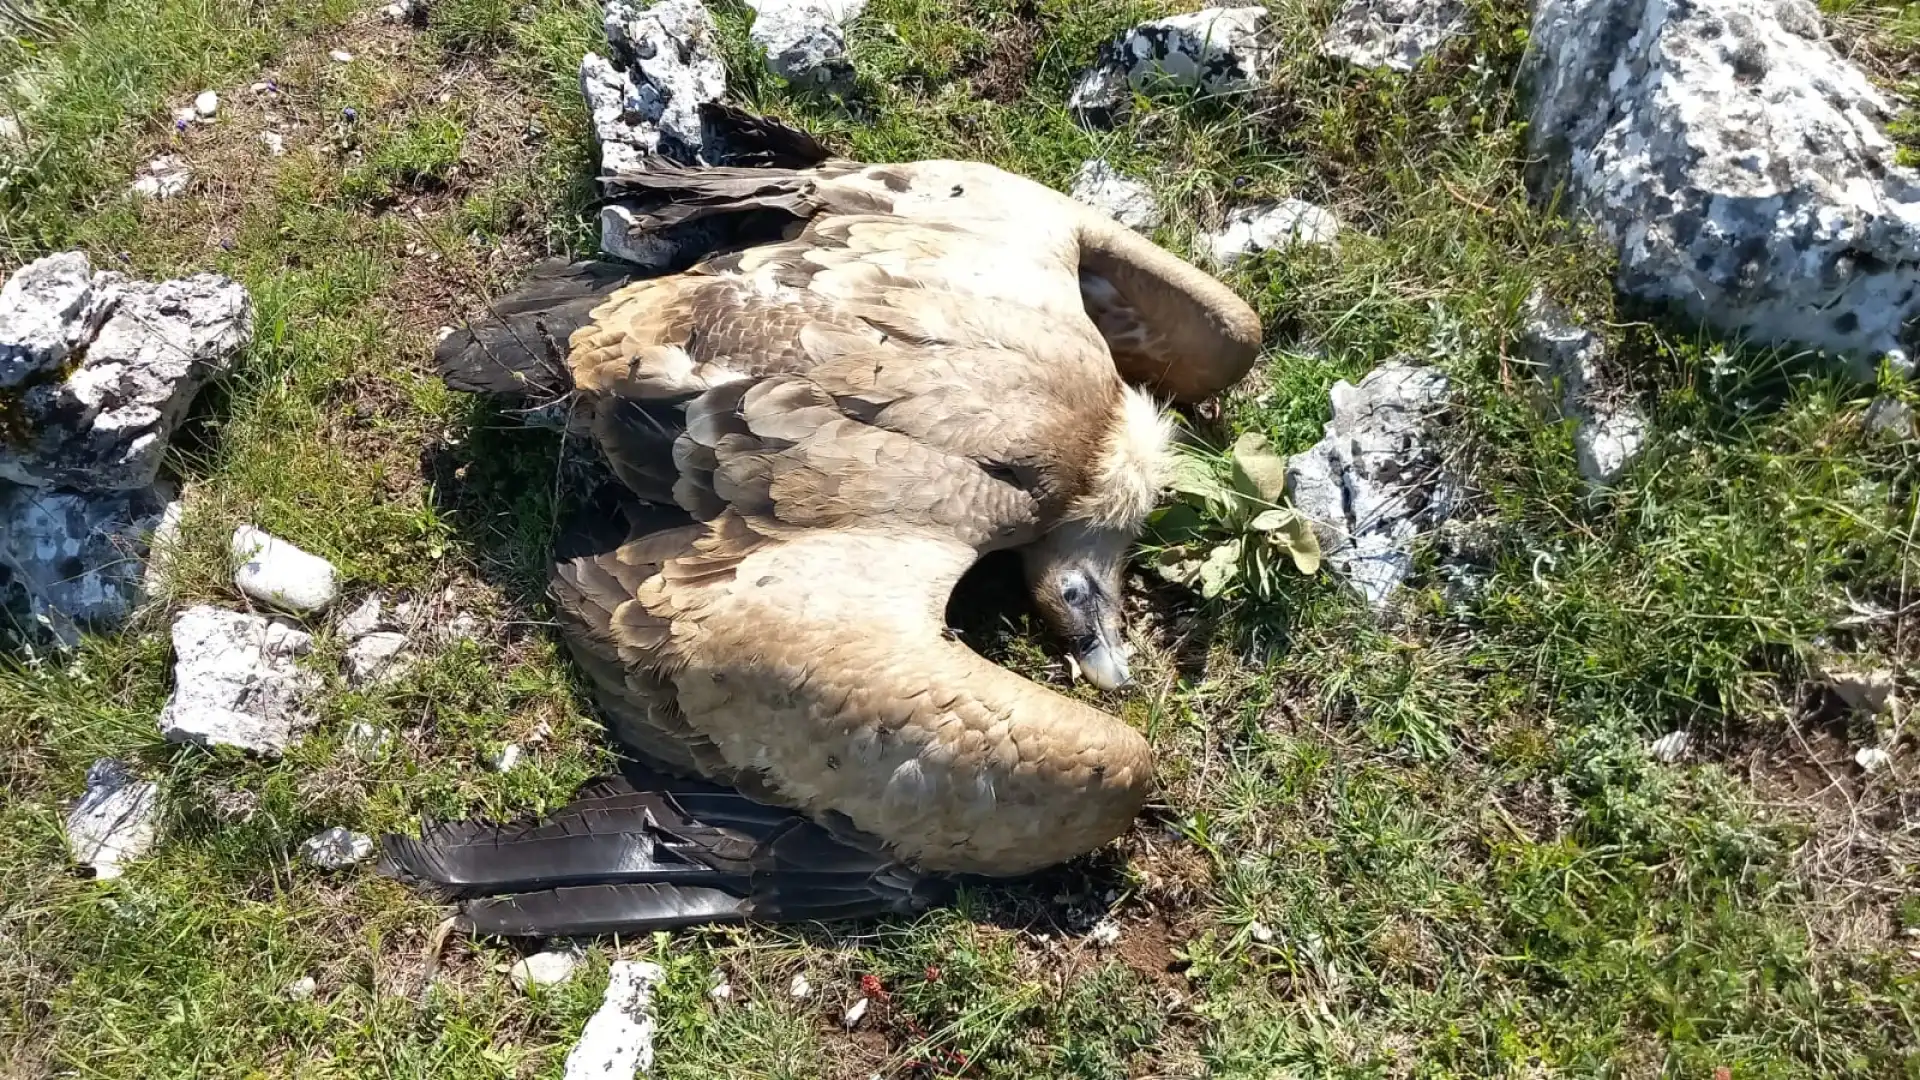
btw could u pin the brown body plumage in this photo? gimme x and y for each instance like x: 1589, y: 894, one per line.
x: 926, y: 368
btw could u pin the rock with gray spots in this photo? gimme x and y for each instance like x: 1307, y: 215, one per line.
x: 1609, y: 429
x: 806, y: 40
x: 618, y: 1039
x: 337, y: 848
x: 1375, y: 483
x: 1120, y: 197
x: 1890, y: 417
x: 1274, y: 226
x: 115, y: 821
x: 1395, y: 34
x: 237, y: 682
x: 1738, y: 165
x: 646, y: 100
x: 49, y: 310
x: 1214, y: 51
x: 109, y: 385
x: 70, y: 560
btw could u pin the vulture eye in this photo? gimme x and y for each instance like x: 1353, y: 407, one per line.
x: 1073, y: 592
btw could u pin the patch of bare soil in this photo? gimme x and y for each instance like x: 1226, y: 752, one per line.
x: 1003, y: 75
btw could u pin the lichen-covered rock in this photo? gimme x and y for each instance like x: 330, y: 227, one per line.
x: 806, y: 40
x: 73, y: 559
x: 1214, y: 51
x: 1609, y: 430
x: 618, y: 1039
x: 276, y: 573
x: 1737, y: 163
x: 376, y: 658
x: 237, y: 681
x: 1395, y: 34
x: 1120, y: 197
x: 49, y: 309
x: 115, y: 821
x: 1271, y: 227
x: 102, y: 424
x: 1375, y: 482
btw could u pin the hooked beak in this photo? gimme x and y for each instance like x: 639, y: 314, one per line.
x: 1103, y: 661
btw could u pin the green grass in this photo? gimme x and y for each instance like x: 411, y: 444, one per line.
x: 1428, y: 844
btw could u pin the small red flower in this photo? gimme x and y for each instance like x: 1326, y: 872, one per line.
x: 933, y: 973
x: 870, y: 986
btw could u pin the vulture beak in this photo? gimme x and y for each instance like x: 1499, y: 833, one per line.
x: 1103, y: 661
x: 1076, y: 581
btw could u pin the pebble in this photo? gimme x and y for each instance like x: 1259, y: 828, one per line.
x: 505, y: 758
x: 550, y: 967
x: 276, y: 146
x: 362, y: 620
x: 854, y: 1014
x: 340, y: 56
x: 260, y: 88
x: 1105, y: 935
x: 301, y: 989
x: 722, y: 991
x: 1260, y: 932
x: 800, y: 989
x: 1872, y: 759
x: 206, y: 104
x: 337, y: 848
x: 376, y: 658
x: 114, y: 821
x: 275, y: 572
x: 1671, y: 747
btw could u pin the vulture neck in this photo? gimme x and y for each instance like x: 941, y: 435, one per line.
x: 1199, y: 337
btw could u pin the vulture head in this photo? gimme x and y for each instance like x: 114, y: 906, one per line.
x: 1076, y: 570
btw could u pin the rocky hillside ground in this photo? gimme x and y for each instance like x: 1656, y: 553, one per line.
x: 1584, y: 753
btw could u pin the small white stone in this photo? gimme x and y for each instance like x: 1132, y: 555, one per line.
x: 275, y: 144
x: 237, y: 681
x: 854, y: 1014
x: 337, y: 848
x: 505, y: 758
x: 164, y: 177
x: 1671, y: 747
x: 367, y: 740
x: 618, y: 1039
x: 260, y: 88
x: 548, y: 968
x: 1105, y: 935
x: 301, y: 989
x: 362, y: 620
x: 1872, y: 759
x: 721, y: 992
x: 184, y: 115
x: 799, y: 989
x: 377, y: 658
x: 206, y: 103
x: 397, y: 12
x: 340, y: 56
x: 1260, y: 932
x: 114, y: 821
x: 275, y: 572
x: 1122, y: 198
x: 1273, y: 227
x: 1864, y: 691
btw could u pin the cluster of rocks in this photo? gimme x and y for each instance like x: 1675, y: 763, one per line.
x: 1214, y: 52
x: 96, y: 372
x: 1609, y: 429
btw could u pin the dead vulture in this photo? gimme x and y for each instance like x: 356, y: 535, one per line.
x: 926, y: 366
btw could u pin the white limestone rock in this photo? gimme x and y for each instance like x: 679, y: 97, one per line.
x: 1375, y: 483
x: 855, y: 1013
x: 1671, y: 748
x: 505, y: 758
x: 806, y: 40
x: 618, y: 1039
x: 379, y: 657
x: 800, y: 989
x: 301, y: 989
x: 1120, y: 197
x: 1872, y: 759
x: 550, y: 967
x: 71, y: 561
x: 275, y: 143
x: 237, y: 681
x: 276, y: 573
x: 1890, y: 417
x: 1274, y: 226
x: 1738, y: 165
x: 666, y: 63
x: 115, y: 821
x: 1395, y: 34
x: 145, y: 350
x: 49, y: 309
x: 1215, y: 51
x: 163, y: 178
x: 337, y: 848
x: 1866, y: 691
x: 1609, y: 429
x: 363, y: 620
x: 205, y: 104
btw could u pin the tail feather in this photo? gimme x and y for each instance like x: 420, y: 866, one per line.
x: 751, y: 139
x: 645, y: 852
x: 519, y: 347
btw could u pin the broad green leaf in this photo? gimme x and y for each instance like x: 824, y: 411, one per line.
x: 1257, y: 470
x: 1220, y: 569
x: 1193, y: 476
x: 1179, y: 523
x: 1297, y: 536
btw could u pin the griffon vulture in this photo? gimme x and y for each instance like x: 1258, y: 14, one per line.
x: 926, y: 367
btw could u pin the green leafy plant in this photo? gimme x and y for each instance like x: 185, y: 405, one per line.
x: 1229, y: 531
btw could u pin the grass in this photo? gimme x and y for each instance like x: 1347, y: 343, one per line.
x: 1421, y: 845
